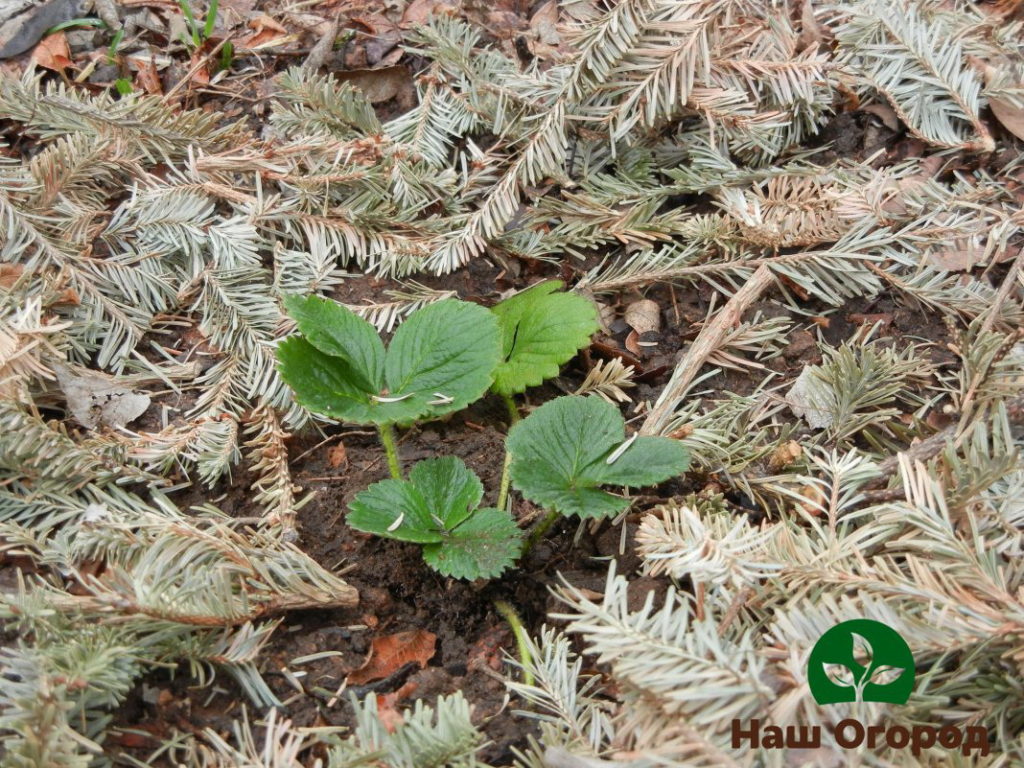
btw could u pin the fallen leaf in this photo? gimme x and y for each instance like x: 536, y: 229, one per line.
x: 885, y: 113
x: 96, y: 399
x: 632, y: 343
x: 1009, y: 114
x: 486, y: 652
x: 387, y: 707
x: 384, y: 35
x: 23, y: 22
x: 378, y: 85
x: 9, y: 274
x: 785, y: 455
x: 956, y: 259
x: 337, y: 456
x: 392, y: 652
x: 266, y: 32
x: 643, y: 316
x: 53, y: 52
x: 883, y: 319
x: 815, y: 499
x: 148, y: 78
x: 807, y: 398
x: 419, y: 12
x: 810, y: 30
x: 544, y: 26
x: 199, y: 67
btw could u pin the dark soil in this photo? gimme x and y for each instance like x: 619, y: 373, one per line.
x: 398, y: 592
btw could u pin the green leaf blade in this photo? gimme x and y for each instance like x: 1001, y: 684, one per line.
x: 484, y: 546
x: 649, y: 460
x: 448, y: 487
x: 339, y: 332
x: 560, y: 457
x: 324, y: 384
x: 541, y: 329
x: 380, y: 507
x: 443, y: 358
x: 566, y: 435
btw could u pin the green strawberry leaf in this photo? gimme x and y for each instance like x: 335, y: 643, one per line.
x: 449, y: 488
x: 436, y: 507
x: 565, y: 450
x: 482, y: 547
x: 327, y: 385
x: 339, y: 332
x: 541, y: 329
x: 439, y: 495
x: 394, y: 509
x: 441, y: 359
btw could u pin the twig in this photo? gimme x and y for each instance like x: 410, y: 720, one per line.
x: 986, y: 325
x: 195, y: 68
x: 1003, y: 292
x: 708, y: 340
x: 933, y: 445
x: 319, y: 53
x: 125, y: 607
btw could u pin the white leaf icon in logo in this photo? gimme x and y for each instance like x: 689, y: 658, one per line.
x: 885, y: 675
x: 862, y: 652
x: 840, y: 674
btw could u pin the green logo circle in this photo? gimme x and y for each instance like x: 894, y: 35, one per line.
x: 861, y: 660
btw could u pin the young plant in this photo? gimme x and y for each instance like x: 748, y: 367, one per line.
x: 199, y: 34
x: 568, y: 448
x: 440, y: 360
x: 437, y: 507
x: 541, y: 329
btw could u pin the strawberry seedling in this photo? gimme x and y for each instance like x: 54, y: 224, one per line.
x: 437, y: 507
x: 541, y: 330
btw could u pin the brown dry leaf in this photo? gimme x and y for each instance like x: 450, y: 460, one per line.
x: 643, y: 316
x: 265, y: 32
x: 885, y: 113
x: 1010, y: 115
x: 544, y: 26
x: 198, y: 67
x: 486, y: 652
x: 387, y: 706
x: 419, y: 12
x: 337, y: 456
x: 956, y: 259
x: 384, y: 35
x: 632, y: 343
x: 9, y: 274
x: 815, y: 496
x: 810, y: 30
x: 883, y: 319
x: 899, y: 189
x: 378, y: 85
x: 1006, y: 112
x: 233, y: 12
x: 785, y: 455
x: 148, y: 79
x: 52, y: 52
x: 391, y: 652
